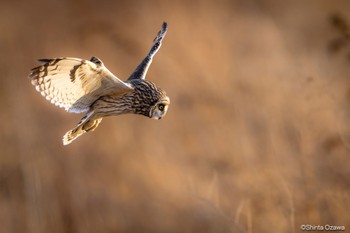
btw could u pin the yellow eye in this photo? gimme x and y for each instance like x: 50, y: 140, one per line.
x: 161, y: 107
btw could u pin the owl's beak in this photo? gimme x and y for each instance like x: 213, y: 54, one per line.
x: 156, y: 117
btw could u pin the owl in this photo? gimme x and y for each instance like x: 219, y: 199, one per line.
x: 87, y: 86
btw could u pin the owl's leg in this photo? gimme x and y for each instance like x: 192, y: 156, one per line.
x: 86, y: 124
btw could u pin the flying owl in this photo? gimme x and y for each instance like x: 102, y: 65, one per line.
x: 88, y: 86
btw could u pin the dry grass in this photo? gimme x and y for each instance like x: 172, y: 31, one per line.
x: 257, y: 138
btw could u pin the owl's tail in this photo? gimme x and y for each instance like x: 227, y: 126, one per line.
x: 82, y: 127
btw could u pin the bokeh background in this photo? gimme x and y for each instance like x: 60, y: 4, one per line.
x: 257, y: 137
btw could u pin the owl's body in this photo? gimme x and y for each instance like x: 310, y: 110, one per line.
x: 88, y: 86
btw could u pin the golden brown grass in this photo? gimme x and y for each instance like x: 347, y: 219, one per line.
x: 257, y: 137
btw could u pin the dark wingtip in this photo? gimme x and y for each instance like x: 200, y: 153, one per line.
x: 34, y: 71
x: 164, y: 26
x: 96, y: 60
x: 44, y: 60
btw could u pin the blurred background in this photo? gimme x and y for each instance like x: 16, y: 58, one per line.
x: 257, y: 137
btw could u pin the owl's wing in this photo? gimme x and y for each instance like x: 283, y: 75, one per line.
x: 74, y: 84
x: 141, y: 70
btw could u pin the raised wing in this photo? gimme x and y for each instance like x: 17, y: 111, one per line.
x: 74, y: 84
x: 141, y: 70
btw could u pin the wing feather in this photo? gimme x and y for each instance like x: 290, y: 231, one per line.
x: 74, y: 84
x: 141, y: 70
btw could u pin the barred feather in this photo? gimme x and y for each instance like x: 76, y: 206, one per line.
x: 74, y: 84
x: 89, y: 125
x: 141, y: 70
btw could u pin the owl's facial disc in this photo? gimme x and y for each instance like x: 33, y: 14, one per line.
x: 160, y: 109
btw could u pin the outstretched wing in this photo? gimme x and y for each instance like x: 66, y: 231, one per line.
x: 73, y: 83
x: 141, y: 70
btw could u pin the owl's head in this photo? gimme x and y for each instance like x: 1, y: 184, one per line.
x: 160, y: 109
x: 149, y: 100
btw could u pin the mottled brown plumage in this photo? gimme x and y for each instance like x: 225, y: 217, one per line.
x: 88, y: 86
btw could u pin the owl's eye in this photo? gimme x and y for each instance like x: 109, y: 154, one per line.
x: 161, y: 107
